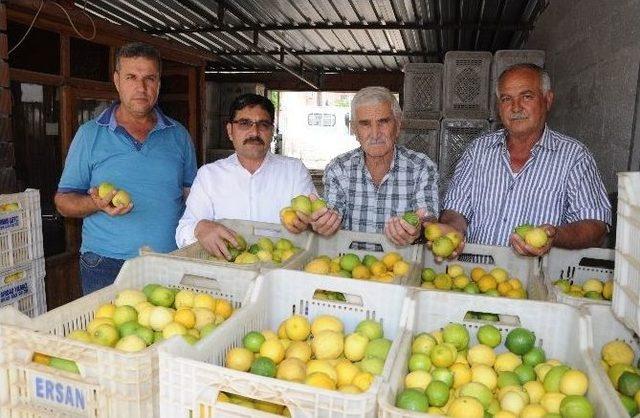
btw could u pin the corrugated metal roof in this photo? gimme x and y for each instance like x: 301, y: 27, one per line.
x: 328, y: 35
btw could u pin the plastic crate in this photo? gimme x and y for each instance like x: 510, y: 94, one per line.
x: 489, y: 257
x: 111, y: 383
x: 466, y: 84
x: 421, y: 136
x: 422, y: 91
x: 455, y: 136
x: 22, y: 287
x: 192, y: 377
x: 603, y: 327
x: 578, y: 266
x: 21, y: 229
x: 626, y: 289
x: 563, y: 340
x: 251, y: 231
x: 343, y: 242
x: 505, y: 58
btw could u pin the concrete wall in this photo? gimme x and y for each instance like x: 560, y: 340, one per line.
x: 593, y: 53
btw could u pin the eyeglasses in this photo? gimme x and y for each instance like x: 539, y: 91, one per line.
x: 247, y: 124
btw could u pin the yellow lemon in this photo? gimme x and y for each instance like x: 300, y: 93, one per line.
x: 607, y: 289
x: 326, y: 323
x: 291, y: 369
x: 465, y: 407
x: 574, y: 382
x: 551, y: 401
x: 481, y: 354
x: 535, y: 390
x: 504, y: 288
x: 105, y: 311
x: 533, y: 411
x: 506, y: 362
x: 361, y: 272
x: 186, y: 317
x: 204, y: 300
x: 515, y: 294
x: 461, y: 374
x: 297, y: 327
x: 346, y: 372
x: 484, y: 374
x: 362, y: 381
x: 223, y: 308
x: 320, y: 380
x: 300, y: 350
x: 378, y: 268
x: 387, y: 277
x: 239, y: 358
x: 515, y: 283
x: 486, y: 283
x: 272, y: 349
x: 417, y: 379
x: 401, y: 268
x: 351, y: 389
x: 460, y: 282
x: 477, y: 273
x: 499, y: 274
x: 390, y: 259
x: 322, y: 366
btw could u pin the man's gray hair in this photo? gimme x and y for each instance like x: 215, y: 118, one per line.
x: 138, y: 50
x: 545, y: 80
x: 375, y: 95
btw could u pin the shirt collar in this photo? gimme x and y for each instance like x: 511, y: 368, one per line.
x: 267, y: 158
x: 108, y: 118
x: 394, y: 161
x: 546, y: 139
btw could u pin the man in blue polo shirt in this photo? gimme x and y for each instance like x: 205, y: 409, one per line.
x: 137, y: 148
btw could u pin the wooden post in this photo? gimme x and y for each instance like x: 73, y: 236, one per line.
x: 8, y: 182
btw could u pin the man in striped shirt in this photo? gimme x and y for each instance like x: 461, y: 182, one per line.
x: 372, y: 186
x: 527, y: 173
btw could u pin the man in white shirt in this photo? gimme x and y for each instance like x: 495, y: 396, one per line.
x: 252, y: 184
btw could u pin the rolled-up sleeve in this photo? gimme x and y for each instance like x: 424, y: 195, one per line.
x: 586, y: 195
x: 199, y: 206
x: 427, y: 193
x: 334, y: 191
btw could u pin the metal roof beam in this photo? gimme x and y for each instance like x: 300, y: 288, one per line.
x: 331, y: 52
x: 522, y: 26
x: 251, y: 42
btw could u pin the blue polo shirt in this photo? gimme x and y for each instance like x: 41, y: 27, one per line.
x: 153, y: 172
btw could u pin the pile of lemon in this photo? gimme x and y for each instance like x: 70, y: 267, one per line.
x: 448, y: 377
x: 315, y: 353
x: 349, y: 265
x: 590, y: 289
x: 617, y: 360
x: 496, y: 282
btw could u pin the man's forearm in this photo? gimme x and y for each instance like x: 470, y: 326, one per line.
x: 581, y: 234
x: 455, y: 220
x: 75, y: 205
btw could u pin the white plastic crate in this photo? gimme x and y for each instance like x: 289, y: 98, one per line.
x: 563, y: 340
x: 192, y: 377
x: 466, y: 84
x: 22, y: 287
x: 578, y: 266
x: 422, y: 90
x: 455, y: 137
x: 111, y: 383
x: 21, y: 229
x: 602, y: 327
x: 251, y: 231
x: 505, y: 58
x: 421, y: 136
x: 626, y: 289
x: 343, y: 242
x: 489, y: 257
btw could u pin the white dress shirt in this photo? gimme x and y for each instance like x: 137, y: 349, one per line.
x: 226, y: 190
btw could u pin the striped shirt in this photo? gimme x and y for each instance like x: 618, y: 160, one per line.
x: 558, y: 184
x: 410, y: 184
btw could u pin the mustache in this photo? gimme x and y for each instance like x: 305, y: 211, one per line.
x: 255, y: 139
x: 517, y: 116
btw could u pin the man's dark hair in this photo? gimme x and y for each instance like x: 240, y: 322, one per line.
x: 250, y: 100
x: 138, y: 50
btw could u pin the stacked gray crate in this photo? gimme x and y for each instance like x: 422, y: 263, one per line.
x: 466, y: 85
x: 422, y: 96
x: 455, y: 136
x: 421, y: 136
x: 506, y: 58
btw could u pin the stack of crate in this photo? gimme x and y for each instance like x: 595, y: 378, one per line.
x: 21, y: 253
x: 448, y: 106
